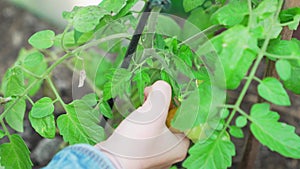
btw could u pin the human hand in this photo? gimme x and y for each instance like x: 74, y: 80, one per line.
x: 142, y: 140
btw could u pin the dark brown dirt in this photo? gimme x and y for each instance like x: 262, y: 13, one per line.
x: 16, y: 26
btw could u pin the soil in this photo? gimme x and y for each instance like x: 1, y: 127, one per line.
x: 17, y: 25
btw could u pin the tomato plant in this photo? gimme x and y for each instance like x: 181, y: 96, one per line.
x: 217, y: 46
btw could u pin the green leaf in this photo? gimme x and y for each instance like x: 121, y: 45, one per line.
x: 106, y: 110
x: 212, y: 154
x: 277, y: 136
x: 113, y: 6
x: 231, y: 14
x: 117, y: 83
x: 272, y: 90
x: 236, y: 48
x: 241, y: 121
x: 284, y: 69
x: 33, y: 59
x: 293, y: 82
x: 197, y: 21
x: 42, y: 40
x: 86, y: 19
x: 165, y: 25
x: 15, y: 154
x: 2, y: 134
x: 186, y: 55
x: 80, y: 124
x: 15, y: 116
x: 224, y: 113
x: 295, y: 23
x: 90, y: 99
x: 126, y: 8
x: 189, y: 5
x: 284, y: 48
x: 13, y: 82
x: 142, y: 80
x: 182, y: 67
x: 159, y: 42
x: 45, y: 126
x: 236, y: 132
x: 169, y: 79
x: 42, y: 108
x: 290, y: 16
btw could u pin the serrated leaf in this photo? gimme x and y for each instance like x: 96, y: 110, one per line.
x: 15, y: 154
x: 277, y: 136
x: 90, y: 99
x: 87, y: 18
x: 272, y: 90
x: 42, y: 108
x: 113, y: 6
x: 80, y: 124
x: 189, y: 5
x: 236, y: 132
x: 15, y: 116
x: 42, y: 40
x: 236, y: 48
x: 45, y: 126
x: 212, y: 154
x: 106, y: 110
x: 117, y: 83
x: 241, y: 121
x: 284, y: 69
x: 231, y: 14
x: 2, y: 134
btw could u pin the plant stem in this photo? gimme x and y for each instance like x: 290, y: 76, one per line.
x: 281, y: 56
x: 53, y: 88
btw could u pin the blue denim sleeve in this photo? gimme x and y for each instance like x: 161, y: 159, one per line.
x: 80, y: 156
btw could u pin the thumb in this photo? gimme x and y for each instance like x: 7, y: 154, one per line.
x: 156, y: 106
